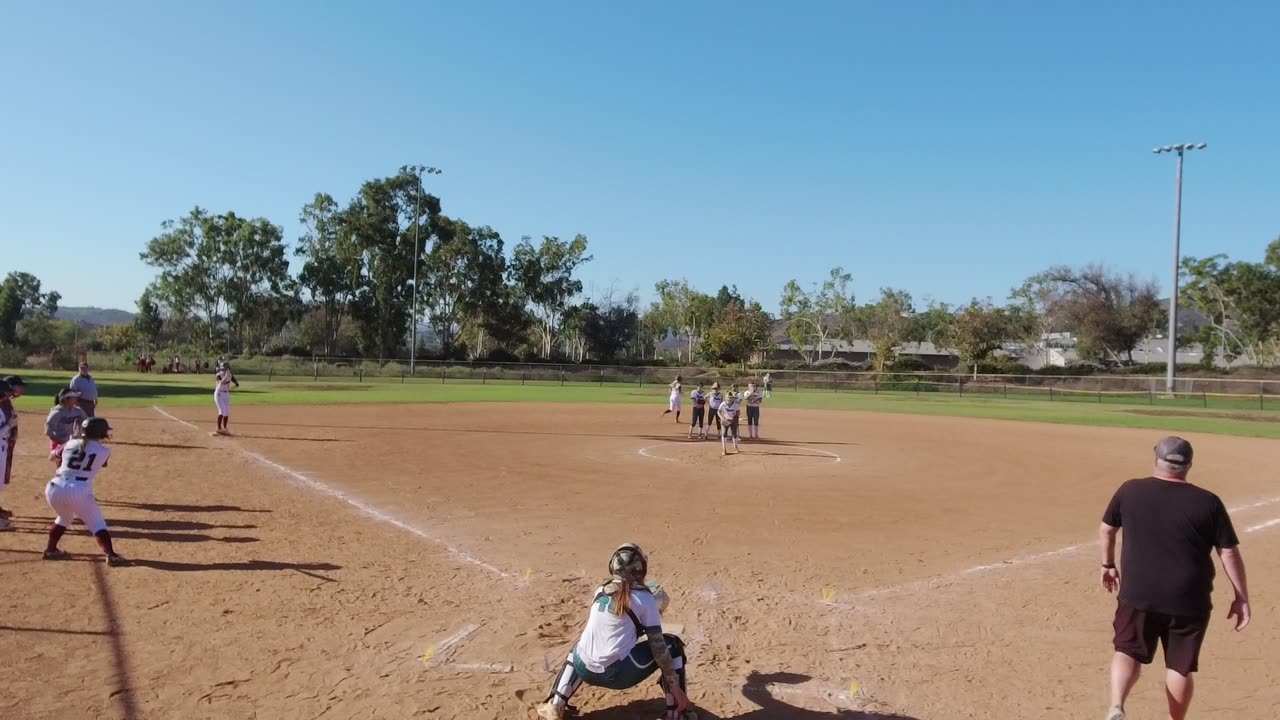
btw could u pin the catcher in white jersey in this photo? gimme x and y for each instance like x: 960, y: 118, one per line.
x: 70, y: 492
x: 222, y: 383
x: 610, y: 653
x: 674, y: 400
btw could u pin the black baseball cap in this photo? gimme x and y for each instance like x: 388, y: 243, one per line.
x: 4, y: 388
x: 15, y: 381
x: 1174, y: 450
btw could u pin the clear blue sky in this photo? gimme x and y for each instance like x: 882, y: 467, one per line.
x: 948, y: 148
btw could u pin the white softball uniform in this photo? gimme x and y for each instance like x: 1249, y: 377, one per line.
x: 6, y: 425
x: 70, y: 492
x: 222, y: 392
x: 608, y: 638
x: 674, y: 402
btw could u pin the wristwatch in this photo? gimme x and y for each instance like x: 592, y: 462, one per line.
x: 1108, y: 566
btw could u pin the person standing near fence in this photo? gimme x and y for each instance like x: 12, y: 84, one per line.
x: 675, y: 400
x: 1171, y: 528
x: 768, y: 385
x: 84, y: 384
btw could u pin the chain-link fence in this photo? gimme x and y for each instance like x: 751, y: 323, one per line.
x: 1224, y: 392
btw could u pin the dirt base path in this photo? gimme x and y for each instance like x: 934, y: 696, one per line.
x: 436, y: 561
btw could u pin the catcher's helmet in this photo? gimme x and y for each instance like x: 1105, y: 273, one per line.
x: 629, y: 562
x: 96, y: 428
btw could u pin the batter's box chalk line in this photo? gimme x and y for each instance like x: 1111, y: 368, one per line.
x: 648, y: 451
x: 361, y: 505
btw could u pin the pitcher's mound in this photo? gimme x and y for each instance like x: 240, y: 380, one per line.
x: 765, y: 455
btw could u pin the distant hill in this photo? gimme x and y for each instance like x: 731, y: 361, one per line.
x: 94, y: 316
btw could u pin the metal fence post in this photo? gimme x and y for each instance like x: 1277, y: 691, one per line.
x: 270, y: 372
x: 601, y: 378
x: 917, y: 387
x: 484, y: 375
x: 1050, y: 393
x: 444, y: 370
x: 401, y: 376
x: 1205, y: 395
x: 316, y: 375
x: 561, y: 377
x: 960, y: 386
x: 521, y: 377
x: 361, y: 373
x: 1262, y: 386
x: 875, y: 385
x: 1004, y: 390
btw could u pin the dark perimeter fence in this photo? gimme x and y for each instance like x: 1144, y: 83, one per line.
x: 1190, y: 391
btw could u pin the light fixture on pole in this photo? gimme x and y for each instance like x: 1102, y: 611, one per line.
x: 1171, y: 369
x: 417, y: 171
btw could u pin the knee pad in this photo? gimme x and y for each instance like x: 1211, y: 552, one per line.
x: 675, y: 645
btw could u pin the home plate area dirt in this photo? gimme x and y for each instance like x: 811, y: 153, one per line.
x: 437, y: 560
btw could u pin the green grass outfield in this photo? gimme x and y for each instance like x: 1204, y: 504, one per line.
x: 1228, y: 416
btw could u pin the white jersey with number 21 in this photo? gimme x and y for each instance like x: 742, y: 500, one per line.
x: 82, y: 460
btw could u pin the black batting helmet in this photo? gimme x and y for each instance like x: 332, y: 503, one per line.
x: 96, y: 428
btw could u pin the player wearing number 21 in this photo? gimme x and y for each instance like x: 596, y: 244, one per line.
x: 70, y: 492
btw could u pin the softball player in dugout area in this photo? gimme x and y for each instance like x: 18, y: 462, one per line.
x: 610, y: 653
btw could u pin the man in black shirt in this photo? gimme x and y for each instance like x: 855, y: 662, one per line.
x: 1171, y: 528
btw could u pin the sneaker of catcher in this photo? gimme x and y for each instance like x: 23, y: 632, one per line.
x: 549, y: 710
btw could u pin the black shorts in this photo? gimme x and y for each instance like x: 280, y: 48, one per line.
x: 715, y: 415
x: 698, y: 413
x: 1139, y: 631
x: 753, y: 414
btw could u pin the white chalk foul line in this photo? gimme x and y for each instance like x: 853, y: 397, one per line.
x: 645, y: 452
x: 355, y: 502
x: 446, y: 646
x: 1263, y: 526
x: 940, y: 580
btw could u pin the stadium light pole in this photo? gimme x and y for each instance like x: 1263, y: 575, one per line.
x: 1172, y: 368
x: 417, y: 171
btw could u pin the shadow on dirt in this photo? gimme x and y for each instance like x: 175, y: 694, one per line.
x: 757, y: 691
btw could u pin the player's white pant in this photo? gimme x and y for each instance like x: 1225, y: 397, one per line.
x: 72, y: 499
x: 673, y: 405
x: 223, y: 401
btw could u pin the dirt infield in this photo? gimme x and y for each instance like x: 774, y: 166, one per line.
x: 436, y: 561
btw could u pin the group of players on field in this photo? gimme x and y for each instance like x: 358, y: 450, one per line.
x: 725, y: 409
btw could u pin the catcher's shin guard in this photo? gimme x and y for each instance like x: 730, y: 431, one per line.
x: 566, y: 683
x: 676, y: 646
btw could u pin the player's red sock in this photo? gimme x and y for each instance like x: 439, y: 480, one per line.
x: 104, y: 542
x: 55, y: 534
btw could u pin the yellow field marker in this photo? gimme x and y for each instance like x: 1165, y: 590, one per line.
x: 828, y: 594
x: 426, y: 657
x: 527, y: 573
x: 853, y: 688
